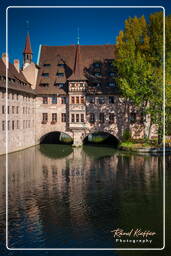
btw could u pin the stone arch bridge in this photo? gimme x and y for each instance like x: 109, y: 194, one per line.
x: 78, y: 135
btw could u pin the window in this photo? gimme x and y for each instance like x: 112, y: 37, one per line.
x: 111, y: 74
x: 54, y: 99
x: 3, y: 125
x: 63, y: 117
x: 101, y: 100
x: 44, y: 118
x: 96, y: 65
x: 8, y: 125
x: 23, y: 110
x: 92, y: 100
x: 77, y: 118
x: 72, y: 118
x: 44, y: 84
x: 111, y: 118
x: 18, y: 124
x: 110, y: 64
x: 59, y: 74
x: 133, y: 117
x: 101, y: 117
x: 77, y: 99
x: 73, y: 100
x: 17, y: 96
x: 54, y: 117
x: 8, y: 109
x: 111, y: 99
x: 3, y: 109
x: 13, y: 109
x: 97, y: 74
x: 23, y: 124
x: 92, y: 118
x: 45, y: 74
x: 12, y: 96
x: 111, y: 84
x: 45, y: 100
x: 63, y: 100
x: 12, y: 125
x: 3, y: 95
x: 82, y: 99
x: 46, y: 65
x: 61, y: 64
x: 60, y: 85
x: 82, y: 118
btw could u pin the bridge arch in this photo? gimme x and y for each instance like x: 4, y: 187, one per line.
x: 56, y: 137
x: 101, y: 137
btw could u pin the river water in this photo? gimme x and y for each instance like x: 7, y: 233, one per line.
x: 64, y: 197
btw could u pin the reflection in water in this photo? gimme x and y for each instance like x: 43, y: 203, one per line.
x: 66, y: 197
x: 55, y: 150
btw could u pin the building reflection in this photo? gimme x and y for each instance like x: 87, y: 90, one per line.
x: 50, y: 196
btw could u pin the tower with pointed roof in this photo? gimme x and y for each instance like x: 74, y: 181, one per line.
x: 27, y: 53
x: 77, y: 83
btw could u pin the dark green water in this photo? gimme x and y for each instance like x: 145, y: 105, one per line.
x: 60, y: 197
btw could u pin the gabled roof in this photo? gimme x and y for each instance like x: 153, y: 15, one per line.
x: 77, y: 74
x: 17, y: 81
x: 71, y: 55
x: 27, y: 49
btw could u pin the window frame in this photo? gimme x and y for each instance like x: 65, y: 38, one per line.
x: 45, y: 101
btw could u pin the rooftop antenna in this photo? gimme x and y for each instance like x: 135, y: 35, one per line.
x: 27, y: 25
x: 78, y: 35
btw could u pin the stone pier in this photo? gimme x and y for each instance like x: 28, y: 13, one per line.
x: 77, y: 138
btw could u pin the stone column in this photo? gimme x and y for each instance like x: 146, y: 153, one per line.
x: 77, y: 138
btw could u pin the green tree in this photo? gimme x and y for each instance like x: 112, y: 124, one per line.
x: 168, y: 75
x: 140, y: 66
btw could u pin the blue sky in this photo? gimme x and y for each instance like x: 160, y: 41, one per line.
x: 59, y: 26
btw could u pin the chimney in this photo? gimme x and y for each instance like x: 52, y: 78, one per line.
x: 17, y: 65
x: 5, y: 58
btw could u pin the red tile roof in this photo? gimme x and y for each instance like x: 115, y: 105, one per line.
x: 27, y: 49
x: 17, y: 81
x: 77, y: 74
x: 78, y: 64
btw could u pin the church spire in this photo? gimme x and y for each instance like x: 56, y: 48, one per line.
x: 27, y: 53
x: 77, y: 74
x: 78, y: 36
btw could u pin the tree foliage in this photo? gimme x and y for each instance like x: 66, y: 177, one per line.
x: 140, y: 63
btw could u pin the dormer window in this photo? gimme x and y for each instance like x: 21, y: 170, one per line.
x: 60, y: 85
x: 111, y: 84
x: 110, y: 62
x: 45, y: 74
x: 61, y: 64
x: 44, y: 84
x: 46, y: 65
x: 111, y: 74
x: 59, y: 74
x: 97, y: 74
x: 96, y: 65
x: 97, y: 84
